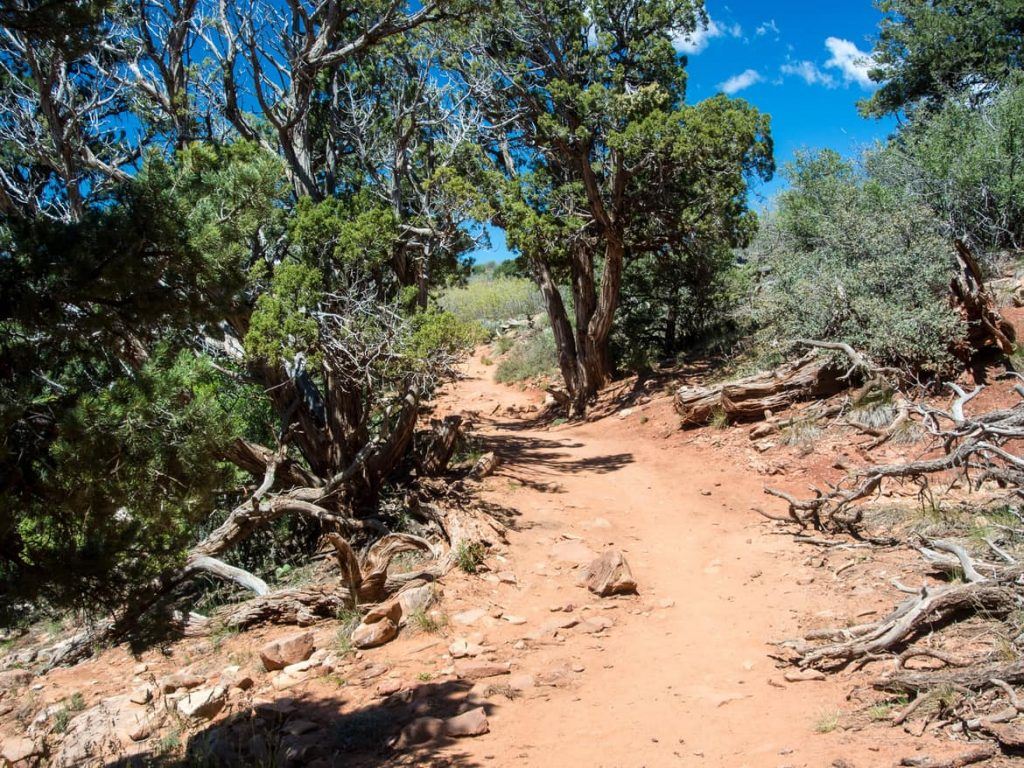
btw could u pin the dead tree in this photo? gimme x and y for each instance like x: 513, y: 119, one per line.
x: 968, y: 444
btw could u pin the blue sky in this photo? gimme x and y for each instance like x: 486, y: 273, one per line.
x: 798, y: 60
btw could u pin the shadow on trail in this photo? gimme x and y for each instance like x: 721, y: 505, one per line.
x: 311, y: 731
x: 533, y: 455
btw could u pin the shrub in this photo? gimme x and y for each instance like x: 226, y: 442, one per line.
x: 845, y: 258
x: 533, y: 356
x: 490, y: 301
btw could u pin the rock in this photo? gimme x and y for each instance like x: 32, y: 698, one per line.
x: 234, y: 677
x: 299, y: 727
x: 181, y: 680
x: 571, y: 551
x: 610, y: 575
x: 391, y: 610
x: 372, y: 635
x: 389, y: 687
x: 513, y: 619
x: 593, y: 624
x: 140, y: 669
x: 279, y: 653
x: 763, y: 430
x: 17, y: 749
x: 802, y: 675
x: 461, y: 648
x: 476, y: 670
x: 11, y: 679
x: 203, y: 703
x: 415, y: 600
x: 371, y: 671
x: 506, y: 577
x: 106, y: 733
x: 466, y: 618
x: 142, y: 695
x: 422, y: 730
x: 473, y: 722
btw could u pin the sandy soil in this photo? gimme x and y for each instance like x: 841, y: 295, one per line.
x: 688, y: 684
x: 683, y: 677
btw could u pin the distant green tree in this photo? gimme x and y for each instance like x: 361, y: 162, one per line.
x: 929, y: 51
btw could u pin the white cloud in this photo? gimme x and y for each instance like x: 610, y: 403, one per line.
x: 768, y: 26
x: 851, y: 61
x: 809, y: 72
x: 737, y: 83
x: 692, y: 43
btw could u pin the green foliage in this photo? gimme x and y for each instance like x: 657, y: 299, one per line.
x: 965, y: 163
x: 111, y: 500
x: 469, y: 556
x: 848, y: 259
x: 532, y: 356
x: 492, y: 300
x: 928, y: 52
x: 345, y: 235
x: 442, y: 333
x: 283, y: 325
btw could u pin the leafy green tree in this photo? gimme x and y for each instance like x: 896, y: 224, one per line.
x: 600, y: 157
x: 930, y: 51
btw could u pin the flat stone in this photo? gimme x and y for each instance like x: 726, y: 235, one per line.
x: 299, y: 727
x: 471, y: 669
x: 203, y: 703
x: 392, y: 610
x: 10, y: 679
x: 593, y: 624
x: 142, y: 695
x: 467, y: 618
x: 472, y: 722
x: 292, y: 649
x: 513, y: 619
x: 389, y: 687
x: 181, y: 681
x: 16, y: 748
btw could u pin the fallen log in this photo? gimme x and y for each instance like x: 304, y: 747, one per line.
x: 747, y: 399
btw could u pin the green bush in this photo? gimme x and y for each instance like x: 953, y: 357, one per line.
x: 845, y: 258
x: 492, y: 300
x: 533, y: 356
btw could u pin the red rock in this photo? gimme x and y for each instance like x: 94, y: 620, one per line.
x: 473, y: 722
x: 279, y: 653
x: 472, y: 669
x: 180, y: 680
x: 372, y: 635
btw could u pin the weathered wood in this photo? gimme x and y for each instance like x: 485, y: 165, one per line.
x: 436, y: 445
x: 976, y: 677
x: 986, y: 327
x: 747, y: 399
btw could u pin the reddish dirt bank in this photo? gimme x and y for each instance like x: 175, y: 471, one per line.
x: 684, y: 677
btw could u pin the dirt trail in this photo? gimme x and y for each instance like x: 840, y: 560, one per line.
x: 684, y: 685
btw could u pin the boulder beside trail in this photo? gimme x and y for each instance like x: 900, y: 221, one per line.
x: 292, y: 649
